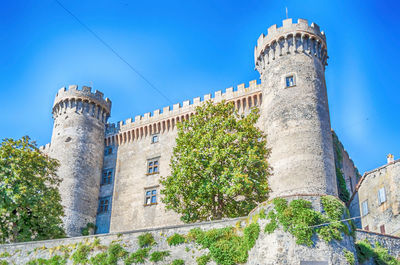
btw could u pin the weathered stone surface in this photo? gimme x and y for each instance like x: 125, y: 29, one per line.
x: 296, y: 118
x: 78, y: 143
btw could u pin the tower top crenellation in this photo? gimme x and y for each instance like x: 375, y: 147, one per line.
x: 301, y: 36
x: 84, y: 94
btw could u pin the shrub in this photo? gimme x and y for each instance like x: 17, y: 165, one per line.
x: 138, y: 257
x: 349, y: 257
x: 157, y: 256
x: 178, y: 262
x: 146, y: 240
x: 175, y: 239
x: 203, y: 260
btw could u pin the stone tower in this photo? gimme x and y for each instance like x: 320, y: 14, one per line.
x: 78, y: 143
x: 291, y: 61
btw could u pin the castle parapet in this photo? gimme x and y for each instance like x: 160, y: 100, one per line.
x: 160, y: 120
x: 291, y: 38
x: 83, y: 101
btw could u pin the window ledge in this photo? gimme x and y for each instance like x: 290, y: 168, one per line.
x: 148, y: 174
x: 151, y: 204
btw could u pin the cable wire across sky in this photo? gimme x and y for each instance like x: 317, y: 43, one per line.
x: 113, y: 51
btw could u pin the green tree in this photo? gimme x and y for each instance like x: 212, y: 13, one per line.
x: 30, y: 207
x: 219, y: 166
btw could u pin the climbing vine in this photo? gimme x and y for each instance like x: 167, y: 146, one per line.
x: 302, y: 221
x: 344, y: 194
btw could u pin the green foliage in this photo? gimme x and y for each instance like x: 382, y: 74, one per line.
x: 344, y: 194
x: 299, y: 219
x: 138, y: 257
x: 176, y: 239
x: 146, y: 240
x: 219, y: 156
x: 262, y: 214
x: 85, y: 230
x: 203, y: 260
x: 225, y: 245
x: 157, y: 256
x: 379, y: 254
x: 55, y: 260
x: 5, y: 254
x: 251, y: 233
x: 30, y: 207
x: 178, y: 262
x: 80, y: 256
x: 349, y: 257
x: 114, y: 253
x: 3, y: 262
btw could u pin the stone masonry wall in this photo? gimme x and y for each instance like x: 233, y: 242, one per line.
x: 391, y: 243
x: 133, y: 148
x: 296, y: 117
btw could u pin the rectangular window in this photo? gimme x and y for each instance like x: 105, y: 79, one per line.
x: 290, y: 81
x: 106, y: 177
x: 364, y: 207
x: 381, y: 195
x: 103, y: 205
x: 382, y: 227
x: 153, y: 166
x: 154, y: 138
x: 150, y: 197
x: 108, y: 151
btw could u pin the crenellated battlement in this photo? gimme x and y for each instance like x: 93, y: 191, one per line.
x: 291, y: 38
x: 44, y: 148
x: 83, y: 101
x: 165, y: 118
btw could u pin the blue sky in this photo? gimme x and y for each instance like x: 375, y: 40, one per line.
x: 191, y: 48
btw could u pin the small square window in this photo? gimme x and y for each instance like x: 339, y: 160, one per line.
x: 154, y: 139
x: 290, y: 81
x: 150, y: 197
x: 152, y: 166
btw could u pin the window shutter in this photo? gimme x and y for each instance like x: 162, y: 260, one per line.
x: 381, y: 195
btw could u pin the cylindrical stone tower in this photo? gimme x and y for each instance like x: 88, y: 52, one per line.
x: 295, y: 115
x: 78, y: 143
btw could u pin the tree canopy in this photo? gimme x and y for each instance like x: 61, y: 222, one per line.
x: 30, y: 207
x: 219, y: 166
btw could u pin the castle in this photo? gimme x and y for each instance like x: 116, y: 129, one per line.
x: 111, y: 172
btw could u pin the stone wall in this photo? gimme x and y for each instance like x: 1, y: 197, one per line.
x: 278, y: 247
x: 391, y: 243
x: 21, y: 253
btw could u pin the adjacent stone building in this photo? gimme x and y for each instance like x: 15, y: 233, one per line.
x: 379, y: 198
